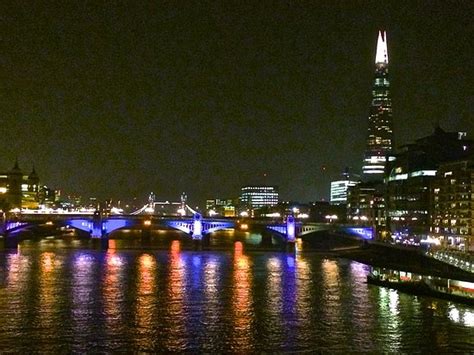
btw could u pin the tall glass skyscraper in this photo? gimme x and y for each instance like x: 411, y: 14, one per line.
x: 379, y: 131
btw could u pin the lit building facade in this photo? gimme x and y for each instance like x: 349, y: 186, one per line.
x: 409, y: 184
x: 366, y: 206
x: 256, y: 197
x: 339, y: 191
x: 18, y: 190
x: 380, y: 126
x: 339, y: 188
x: 453, y: 206
x: 225, y: 207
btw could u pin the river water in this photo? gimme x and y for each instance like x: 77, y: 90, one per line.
x: 63, y: 297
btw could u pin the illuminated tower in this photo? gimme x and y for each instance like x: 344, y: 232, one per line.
x: 380, y: 130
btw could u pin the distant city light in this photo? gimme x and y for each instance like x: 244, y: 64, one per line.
x: 244, y: 226
x: 115, y: 210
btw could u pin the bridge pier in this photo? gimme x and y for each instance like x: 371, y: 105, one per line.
x: 290, y: 234
x: 197, y: 244
x: 290, y: 247
x: 10, y: 242
x: 266, y: 239
x: 100, y: 243
x: 100, y: 238
x: 146, y: 232
x: 197, y: 231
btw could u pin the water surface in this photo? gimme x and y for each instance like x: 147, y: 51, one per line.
x: 75, y: 299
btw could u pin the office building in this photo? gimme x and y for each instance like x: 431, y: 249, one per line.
x: 339, y: 188
x: 256, y: 197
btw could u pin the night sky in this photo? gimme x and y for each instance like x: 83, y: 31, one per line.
x: 119, y: 100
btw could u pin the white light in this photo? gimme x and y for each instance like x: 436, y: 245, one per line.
x: 115, y: 210
x: 423, y: 173
x: 382, y: 52
x: 244, y: 214
x: 430, y: 240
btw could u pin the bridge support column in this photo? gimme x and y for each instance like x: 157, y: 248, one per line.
x: 146, y: 232
x: 100, y: 238
x: 10, y: 242
x: 290, y: 234
x: 101, y: 243
x: 266, y: 239
x: 104, y: 242
x: 197, y: 231
x: 290, y: 247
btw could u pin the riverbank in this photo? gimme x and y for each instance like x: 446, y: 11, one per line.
x: 421, y: 288
x: 406, y: 259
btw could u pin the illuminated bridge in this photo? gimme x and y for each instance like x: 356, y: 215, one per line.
x: 99, y: 226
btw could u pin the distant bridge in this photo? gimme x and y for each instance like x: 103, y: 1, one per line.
x: 100, y: 226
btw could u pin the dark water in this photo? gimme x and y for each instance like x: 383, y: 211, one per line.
x: 56, y: 299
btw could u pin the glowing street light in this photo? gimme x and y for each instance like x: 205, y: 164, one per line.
x: 330, y: 218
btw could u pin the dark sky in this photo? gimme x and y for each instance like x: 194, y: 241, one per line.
x: 117, y: 100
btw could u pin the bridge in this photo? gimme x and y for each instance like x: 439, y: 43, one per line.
x: 99, y: 226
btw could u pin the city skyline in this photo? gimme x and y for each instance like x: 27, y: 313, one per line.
x: 119, y: 102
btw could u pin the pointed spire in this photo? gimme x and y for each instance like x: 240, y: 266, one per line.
x: 33, y: 174
x: 16, y: 167
x: 382, y: 52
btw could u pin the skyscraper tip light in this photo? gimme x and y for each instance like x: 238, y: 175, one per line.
x: 379, y: 131
x: 382, y: 51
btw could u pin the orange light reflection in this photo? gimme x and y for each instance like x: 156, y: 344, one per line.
x: 113, y: 291
x: 146, y: 306
x: 242, y: 300
x: 47, y: 289
x: 176, y: 293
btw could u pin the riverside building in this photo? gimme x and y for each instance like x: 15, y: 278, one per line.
x: 409, y: 185
x: 453, y: 206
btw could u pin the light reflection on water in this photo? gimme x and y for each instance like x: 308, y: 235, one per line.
x: 113, y: 288
x: 47, y: 295
x: 238, y: 301
x: 176, y: 293
x: 242, y: 300
x: 146, y: 305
